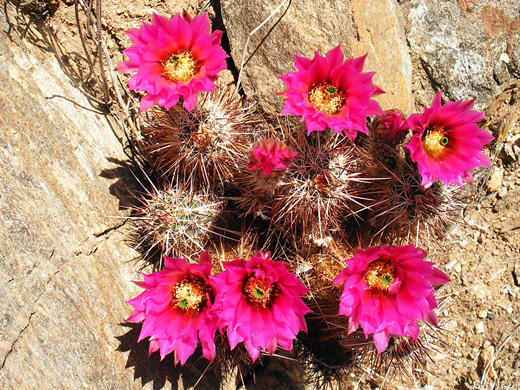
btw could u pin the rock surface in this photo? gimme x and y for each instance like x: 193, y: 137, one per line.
x: 305, y: 27
x: 64, y: 268
x: 468, y: 48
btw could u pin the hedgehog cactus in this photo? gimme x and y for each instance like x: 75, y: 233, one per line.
x: 308, y: 194
x: 399, y: 208
x: 201, y: 149
x: 314, y: 195
x: 175, y: 221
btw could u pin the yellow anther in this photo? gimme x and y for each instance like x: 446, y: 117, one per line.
x: 434, y: 142
x: 180, y: 67
x: 380, y: 275
x: 326, y: 97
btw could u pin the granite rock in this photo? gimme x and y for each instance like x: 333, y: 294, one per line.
x: 468, y: 48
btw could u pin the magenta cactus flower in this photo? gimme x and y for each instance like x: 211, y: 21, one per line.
x: 269, y: 155
x: 176, y: 309
x: 387, y: 290
x: 330, y: 92
x: 260, y: 303
x: 391, y: 124
x: 447, y: 143
x: 173, y: 58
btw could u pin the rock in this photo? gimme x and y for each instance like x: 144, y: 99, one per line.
x: 303, y: 28
x: 381, y: 34
x: 495, y: 180
x: 65, y: 269
x: 500, y: 70
x: 514, y: 346
x: 508, y: 150
x: 516, y: 149
x: 486, y: 355
x: 466, y: 52
x: 457, y: 268
x: 482, y: 313
x: 480, y: 328
x: 516, y: 275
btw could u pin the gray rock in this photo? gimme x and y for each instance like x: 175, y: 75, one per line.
x: 467, y: 51
x: 305, y: 27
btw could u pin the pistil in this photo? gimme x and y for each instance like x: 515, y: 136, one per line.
x: 259, y: 290
x: 190, y: 294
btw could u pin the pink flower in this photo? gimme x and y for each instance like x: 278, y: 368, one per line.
x: 391, y: 124
x: 268, y: 155
x: 386, y: 290
x: 447, y: 143
x: 260, y: 302
x: 176, y: 309
x: 328, y: 92
x: 173, y: 58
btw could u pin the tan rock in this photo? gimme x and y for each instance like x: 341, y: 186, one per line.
x: 381, y: 34
x: 305, y: 27
x: 65, y: 270
x: 495, y: 180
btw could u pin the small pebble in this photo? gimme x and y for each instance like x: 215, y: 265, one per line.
x: 487, y: 353
x: 509, y: 310
x: 509, y: 151
x: 480, y: 327
x: 516, y: 275
x: 516, y: 149
x: 495, y: 180
x: 482, y: 314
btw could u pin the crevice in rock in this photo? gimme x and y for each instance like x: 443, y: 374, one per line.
x: 110, y: 229
x: 218, y: 23
x: 13, y: 344
x: 428, y: 72
x: 90, y: 245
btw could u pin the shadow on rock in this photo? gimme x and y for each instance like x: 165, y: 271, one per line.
x: 127, y: 184
x: 151, y: 369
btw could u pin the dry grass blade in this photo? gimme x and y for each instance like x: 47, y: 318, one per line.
x: 500, y: 348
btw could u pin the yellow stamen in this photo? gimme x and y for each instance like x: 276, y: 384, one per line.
x: 434, y: 142
x: 326, y: 97
x: 180, y: 67
x: 380, y: 275
x: 190, y: 293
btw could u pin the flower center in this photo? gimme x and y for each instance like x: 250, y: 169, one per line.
x: 180, y: 67
x: 434, y: 141
x: 380, y: 275
x: 190, y: 293
x: 259, y: 291
x: 326, y: 97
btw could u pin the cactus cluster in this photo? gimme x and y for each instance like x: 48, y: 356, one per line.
x: 337, y: 199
